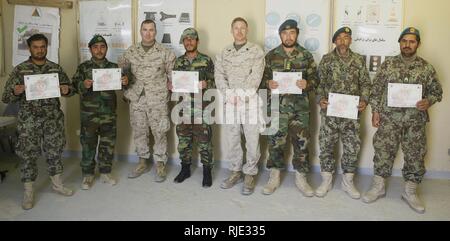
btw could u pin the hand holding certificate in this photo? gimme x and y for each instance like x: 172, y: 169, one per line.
x: 404, y: 95
x: 185, y: 81
x: 287, y: 82
x: 42, y: 86
x: 343, y: 106
x: 106, y: 79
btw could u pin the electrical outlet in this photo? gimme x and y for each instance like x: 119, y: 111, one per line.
x: 449, y: 151
x: 78, y: 134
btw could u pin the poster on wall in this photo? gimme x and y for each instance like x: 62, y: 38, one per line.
x: 171, y: 18
x: 313, y: 18
x: 29, y: 20
x: 376, y: 25
x: 112, y: 20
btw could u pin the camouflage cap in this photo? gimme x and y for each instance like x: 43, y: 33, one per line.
x: 341, y: 30
x: 288, y: 24
x: 97, y: 39
x: 410, y: 30
x: 189, y: 32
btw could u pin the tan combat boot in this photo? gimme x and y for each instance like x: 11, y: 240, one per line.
x: 58, y: 186
x: 377, y: 190
x: 273, y: 183
x: 249, y: 185
x: 411, y: 197
x: 303, y: 185
x: 108, y: 178
x: 140, y: 169
x: 234, y: 178
x: 349, y: 187
x: 160, y: 172
x: 28, y: 196
x: 326, y: 185
x: 87, y: 182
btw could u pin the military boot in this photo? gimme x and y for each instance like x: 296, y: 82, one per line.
x: 58, y: 186
x: 184, y: 173
x: 302, y: 183
x: 87, y: 182
x: 249, y: 185
x: 273, y: 183
x: 28, y: 196
x: 376, y: 191
x: 326, y: 185
x: 160, y: 172
x: 411, y: 197
x: 234, y: 178
x: 349, y: 187
x: 207, y: 177
x: 141, y: 168
x: 108, y: 178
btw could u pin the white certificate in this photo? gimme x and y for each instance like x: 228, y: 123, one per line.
x: 185, y: 81
x: 404, y: 95
x: 287, y: 82
x: 42, y: 86
x: 106, y: 79
x: 343, y: 106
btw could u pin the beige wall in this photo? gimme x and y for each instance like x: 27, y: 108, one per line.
x: 213, y: 20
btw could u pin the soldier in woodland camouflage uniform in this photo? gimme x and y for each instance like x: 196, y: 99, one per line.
x: 40, y: 122
x: 343, y: 72
x: 294, y: 109
x: 150, y: 64
x: 405, y: 126
x: 187, y: 133
x: 98, y: 115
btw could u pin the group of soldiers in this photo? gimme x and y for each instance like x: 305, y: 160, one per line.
x: 243, y: 66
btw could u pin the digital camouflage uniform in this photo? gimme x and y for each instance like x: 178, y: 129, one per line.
x: 40, y: 123
x: 294, y: 110
x: 200, y: 133
x: 344, y: 76
x: 98, y: 119
x: 405, y: 126
x: 149, y: 96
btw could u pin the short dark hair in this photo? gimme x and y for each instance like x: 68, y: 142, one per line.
x: 37, y: 37
x: 147, y: 21
x: 239, y: 19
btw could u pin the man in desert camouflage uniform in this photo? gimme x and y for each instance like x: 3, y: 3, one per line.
x: 405, y: 126
x: 294, y: 109
x: 341, y: 71
x: 40, y: 122
x: 98, y: 115
x: 201, y: 133
x: 151, y: 64
x: 238, y: 69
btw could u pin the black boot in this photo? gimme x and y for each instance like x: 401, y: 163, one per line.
x: 184, y: 173
x: 207, y: 178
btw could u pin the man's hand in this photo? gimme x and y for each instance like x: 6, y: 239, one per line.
x: 323, y: 103
x: 202, y: 84
x: 19, y: 89
x: 301, y: 84
x: 273, y: 84
x: 423, y: 104
x: 124, y: 80
x: 362, y: 105
x: 64, y: 89
x: 87, y: 83
x: 376, y: 119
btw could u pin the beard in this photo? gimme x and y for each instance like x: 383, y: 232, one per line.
x: 289, y: 45
x: 36, y: 57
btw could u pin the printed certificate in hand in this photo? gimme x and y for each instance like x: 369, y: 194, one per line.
x: 404, y: 95
x: 106, y: 79
x: 343, y: 106
x: 287, y: 82
x: 42, y: 86
x: 185, y: 81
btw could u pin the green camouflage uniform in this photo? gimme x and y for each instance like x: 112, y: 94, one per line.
x: 98, y: 119
x: 294, y: 109
x: 40, y: 123
x: 402, y: 125
x: 344, y: 76
x: 200, y: 133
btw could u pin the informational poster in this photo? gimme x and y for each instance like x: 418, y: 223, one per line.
x: 30, y: 20
x: 313, y: 18
x: 376, y: 26
x: 171, y: 18
x: 112, y: 20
